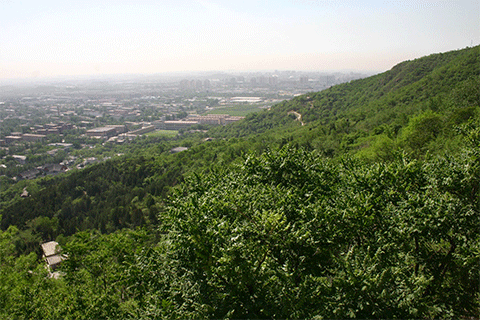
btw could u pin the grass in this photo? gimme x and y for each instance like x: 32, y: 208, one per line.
x: 162, y: 133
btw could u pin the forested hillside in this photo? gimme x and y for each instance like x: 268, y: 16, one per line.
x: 288, y: 234
x: 358, y: 201
x: 416, y: 107
x: 125, y: 192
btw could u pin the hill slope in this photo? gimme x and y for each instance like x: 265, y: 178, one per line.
x: 284, y: 234
x: 349, y: 116
x: 415, y: 107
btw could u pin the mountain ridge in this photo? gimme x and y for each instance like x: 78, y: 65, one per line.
x: 389, y: 98
x: 355, y: 214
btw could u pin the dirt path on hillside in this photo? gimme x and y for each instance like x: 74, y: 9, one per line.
x: 298, y: 115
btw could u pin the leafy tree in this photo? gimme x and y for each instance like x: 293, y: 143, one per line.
x: 292, y: 235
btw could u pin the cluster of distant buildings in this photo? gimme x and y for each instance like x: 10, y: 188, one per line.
x: 191, y: 120
x: 22, y: 137
x: 130, y: 131
x: 207, y: 84
x: 47, y: 169
x: 37, y: 133
x: 285, y: 80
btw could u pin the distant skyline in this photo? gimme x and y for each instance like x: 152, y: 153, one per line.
x: 42, y: 39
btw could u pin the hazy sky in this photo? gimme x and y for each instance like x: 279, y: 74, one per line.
x: 80, y: 37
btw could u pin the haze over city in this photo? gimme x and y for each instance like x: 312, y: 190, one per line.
x: 42, y: 39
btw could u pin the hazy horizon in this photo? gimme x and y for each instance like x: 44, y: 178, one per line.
x: 53, y: 39
x: 166, y: 76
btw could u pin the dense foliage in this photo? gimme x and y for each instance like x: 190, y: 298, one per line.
x: 415, y: 106
x: 288, y: 234
x: 368, y: 210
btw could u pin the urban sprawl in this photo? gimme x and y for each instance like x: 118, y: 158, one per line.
x: 45, y: 125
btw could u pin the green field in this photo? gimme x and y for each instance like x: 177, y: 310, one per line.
x: 162, y: 133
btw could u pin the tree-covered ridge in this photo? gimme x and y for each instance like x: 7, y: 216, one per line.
x: 124, y: 192
x: 366, y: 113
x: 417, y: 107
x: 288, y: 234
x: 341, y: 240
x: 368, y: 210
